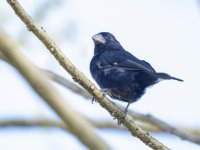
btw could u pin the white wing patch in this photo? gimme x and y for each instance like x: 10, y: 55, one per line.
x: 99, y: 65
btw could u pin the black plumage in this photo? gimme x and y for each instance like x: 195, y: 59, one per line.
x: 120, y: 74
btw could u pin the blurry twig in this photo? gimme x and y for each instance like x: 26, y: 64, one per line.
x: 44, y: 8
x: 97, y: 124
x: 68, y: 84
x: 166, y: 127
x: 39, y: 15
x: 51, y: 123
x: 82, y: 79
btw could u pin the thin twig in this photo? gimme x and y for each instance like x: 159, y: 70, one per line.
x: 50, y: 123
x: 166, y: 127
x: 83, y: 81
x: 68, y: 84
x: 97, y: 124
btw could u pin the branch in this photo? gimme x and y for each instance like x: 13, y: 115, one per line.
x: 137, y: 116
x: 77, y: 124
x: 2, y: 57
x: 156, y: 124
x: 166, y: 127
x: 68, y: 84
x: 97, y: 124
x: 51, y: 123
x: 82, y: 79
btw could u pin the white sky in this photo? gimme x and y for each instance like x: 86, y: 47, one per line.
x: 164, y: 33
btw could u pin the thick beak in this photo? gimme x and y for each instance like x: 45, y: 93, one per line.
x: 98, y: 38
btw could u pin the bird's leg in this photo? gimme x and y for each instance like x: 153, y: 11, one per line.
x: 104, y: 94
x: 126, y: 109
x: 93, y: 100
x: 125, y: 112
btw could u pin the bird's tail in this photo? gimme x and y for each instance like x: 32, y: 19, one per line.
x: 167, y: 77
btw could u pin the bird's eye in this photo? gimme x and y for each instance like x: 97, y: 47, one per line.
x: 109, y: 38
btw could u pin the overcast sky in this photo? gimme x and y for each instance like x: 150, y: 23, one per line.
x: 164, y: 33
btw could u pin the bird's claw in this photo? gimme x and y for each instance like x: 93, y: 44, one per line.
x: 118, y: 121
x: 93, y: 100
x: 123, y: 117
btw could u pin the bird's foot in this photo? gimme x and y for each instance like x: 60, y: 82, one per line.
x: 126, y: 109
x: 118, y: 121
x: 122, y: 118
x: 93, y: 100
x: 125, y: 113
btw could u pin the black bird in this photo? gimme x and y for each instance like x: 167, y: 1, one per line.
x: 120, y: 74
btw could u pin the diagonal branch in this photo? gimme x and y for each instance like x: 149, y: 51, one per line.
x: 82, y: 79
x: 68, y: 84
x: 77, y: 124
x: 137, y: 116
x: 156, y: 124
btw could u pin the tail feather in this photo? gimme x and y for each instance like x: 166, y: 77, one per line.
x: 167, y: 77
x: 177, y: 79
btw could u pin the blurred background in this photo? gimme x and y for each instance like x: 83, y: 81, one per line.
x: 164, y: 33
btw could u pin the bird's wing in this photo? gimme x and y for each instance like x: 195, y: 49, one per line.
x: 147, y: 65
x: 127, y: 62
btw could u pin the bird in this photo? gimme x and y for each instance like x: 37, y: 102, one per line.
x: 120, y: 74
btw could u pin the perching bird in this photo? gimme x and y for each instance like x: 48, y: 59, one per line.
x: 120, y: 74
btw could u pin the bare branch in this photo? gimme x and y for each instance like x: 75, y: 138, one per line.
x: 77, y: 124
x: 51, y: 123
x: 156, y: 124
x: 97, y: 124
x: 137, y: 116
x: 166, y: 127
x: 2, y: 57
x: 82, y: 79
x: 68, y: 84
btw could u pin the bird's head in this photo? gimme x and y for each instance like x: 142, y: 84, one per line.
x: 104, y: 41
